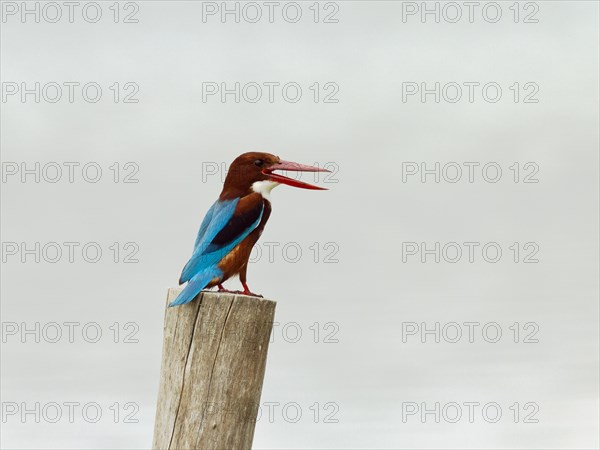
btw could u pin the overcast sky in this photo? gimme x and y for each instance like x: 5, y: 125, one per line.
x: 463, y: 203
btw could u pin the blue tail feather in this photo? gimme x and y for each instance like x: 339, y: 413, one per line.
x: 196, y: 284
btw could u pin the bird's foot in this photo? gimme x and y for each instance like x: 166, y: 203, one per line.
x: 222, y: 289
x: 251, y: 294
x: 248, y: 292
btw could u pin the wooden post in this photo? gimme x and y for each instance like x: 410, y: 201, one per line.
x: 213, y: 364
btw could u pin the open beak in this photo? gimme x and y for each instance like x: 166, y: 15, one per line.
x: 295, y: 167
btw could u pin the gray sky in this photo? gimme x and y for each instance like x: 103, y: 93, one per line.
x: 353, y: 269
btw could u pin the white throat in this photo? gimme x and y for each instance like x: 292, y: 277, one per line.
x: 264, y: 188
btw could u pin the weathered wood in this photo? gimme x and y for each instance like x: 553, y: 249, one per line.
x: 213, y: 364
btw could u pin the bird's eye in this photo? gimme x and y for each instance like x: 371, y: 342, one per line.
x: 259, y: 162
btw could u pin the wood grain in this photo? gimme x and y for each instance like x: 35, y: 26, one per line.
x: 213, y: 365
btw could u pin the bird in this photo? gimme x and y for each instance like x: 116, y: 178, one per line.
x: 235, y: 222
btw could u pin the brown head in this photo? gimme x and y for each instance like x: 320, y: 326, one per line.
x: 253, y: 171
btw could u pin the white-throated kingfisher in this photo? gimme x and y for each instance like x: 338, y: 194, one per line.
x: 234, y: 223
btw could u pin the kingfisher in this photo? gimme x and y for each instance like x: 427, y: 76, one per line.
x: 234, y: 223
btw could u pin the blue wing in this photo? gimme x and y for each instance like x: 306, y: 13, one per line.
x: 219, y: 234
x: 206, y: 221
x: 221, y: 230
x: 216, y: 217
x: 196, y: 284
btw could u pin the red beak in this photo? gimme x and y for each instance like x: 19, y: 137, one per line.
x: 295, y: 167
